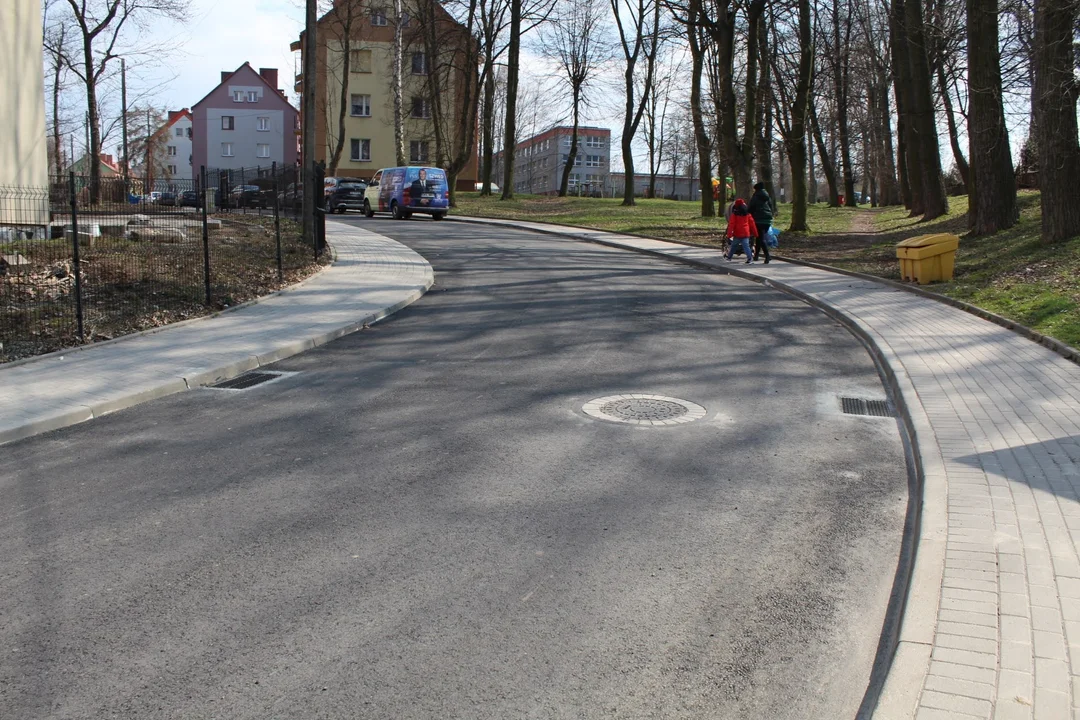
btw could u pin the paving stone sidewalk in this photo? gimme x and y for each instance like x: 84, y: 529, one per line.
x: 372, y: 277
x: 992, y: 624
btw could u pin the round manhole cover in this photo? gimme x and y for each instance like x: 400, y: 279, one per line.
x: 639, y: 409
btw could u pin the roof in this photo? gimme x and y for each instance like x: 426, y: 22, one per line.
x: 247, y: 65
x: 174, y: 115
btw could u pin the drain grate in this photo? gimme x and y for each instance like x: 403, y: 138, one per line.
x: 247, y: 380
x: 860, y: 406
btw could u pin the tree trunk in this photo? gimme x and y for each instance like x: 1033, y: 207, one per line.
x: 888, y: 186
x: 764, y: 141
x: 840, y: 81
x: 935, y: 202
x: 1055, y: 112
x: 701, y: 137
x: 796, y: 143
x: 510, y: 131
x: 907, y: 142
x: 812, y: 195
x: 827, y: 165
x: 489, y: 129
x: 950, y: 120
x: 399, y: 119
x: 93, y: 152
x: 343, y: 98
x: 737, y: 153
x: 564, y: 184
x: 992, y: 205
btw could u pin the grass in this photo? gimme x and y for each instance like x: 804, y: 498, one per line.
x: 1011, y: 273
x: 667, y: 219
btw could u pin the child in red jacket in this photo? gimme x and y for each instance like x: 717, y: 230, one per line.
x: 741, y: 228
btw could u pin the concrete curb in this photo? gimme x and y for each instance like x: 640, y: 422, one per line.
x: 903, y: 655
x: 232, y: 368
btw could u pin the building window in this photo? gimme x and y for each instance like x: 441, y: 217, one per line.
x: 592, y: 161
x: 360, y: 150
x: 253, y: 96
x: 170, y: 151
x: 189, y: 133
x: 263, y: 124
x: 179, y: 132
x: 573, y: 178
x: 567, y: 139
x: 262, y: 150
x: 419, y: 63
x: 405, y: 20
x: 238, y: 96
x: 378, y: 16
x: 594, y: 141
x: 360, y: 62
x: 226, y: 150
x: 228, y: 122
x: 420, y: 108
x: 172, y: 169
x: 418, y: 151
x: 360, y: 105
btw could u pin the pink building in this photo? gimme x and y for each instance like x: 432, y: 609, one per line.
x: 244, y: 122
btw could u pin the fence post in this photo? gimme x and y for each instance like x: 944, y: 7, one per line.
x: 319, y: 208
x: 277, y: 221
x: 205, y: 238
x: 243, y: 182
x: 75, y: 251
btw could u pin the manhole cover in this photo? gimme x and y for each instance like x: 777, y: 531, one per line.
x: 640, y: 409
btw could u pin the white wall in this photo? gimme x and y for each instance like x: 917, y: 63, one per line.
x: 23, y: 160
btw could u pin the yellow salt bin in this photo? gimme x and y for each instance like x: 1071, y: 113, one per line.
x: 928, y: 258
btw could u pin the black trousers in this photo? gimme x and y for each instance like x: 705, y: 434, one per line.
x: 759, y: 242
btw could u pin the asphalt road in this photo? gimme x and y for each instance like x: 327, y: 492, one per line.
x: 421, y: 522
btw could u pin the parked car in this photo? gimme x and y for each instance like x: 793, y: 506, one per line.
x: 189, y: 198
x: 402, y: 191
x: 167, y: 198
x: 346, y: 195
x: 246, y: 196
x: 292, y: 197
x: 152, y: 197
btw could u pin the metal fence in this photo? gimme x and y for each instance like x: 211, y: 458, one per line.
x: 80, y: 263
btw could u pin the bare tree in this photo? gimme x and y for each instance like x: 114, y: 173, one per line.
x: 493, y: 23
x: 57, y: 37
x: 101, y: 27
x: 341, y: 23
x: 638, y: 23
x: 574, y: 38
x: 794, y: 129
x: 452, y: 82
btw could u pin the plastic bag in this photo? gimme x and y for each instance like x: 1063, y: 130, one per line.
x: 773, y: 239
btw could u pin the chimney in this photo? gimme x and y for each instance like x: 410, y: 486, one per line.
x: 225, y: 74
x: 174, y: 113
x: 270, y: 76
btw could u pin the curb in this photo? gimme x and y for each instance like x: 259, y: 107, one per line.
x: 81, y: 413
x: 903, y: 654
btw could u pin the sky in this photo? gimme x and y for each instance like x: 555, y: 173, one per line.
x: 222, y: 35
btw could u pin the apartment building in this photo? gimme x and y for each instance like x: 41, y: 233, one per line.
x: 363, y: 31
x: 540, y: 159
x: 244, y: 122
x: 173, y: 141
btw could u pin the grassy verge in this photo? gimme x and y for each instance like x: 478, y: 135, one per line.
x: 1010, y: 273
x: 666, y: 219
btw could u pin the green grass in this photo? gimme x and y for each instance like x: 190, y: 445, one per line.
x: 666, y: 219
x: 1011, y: 273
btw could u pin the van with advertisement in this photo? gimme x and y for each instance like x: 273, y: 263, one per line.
x: 402, y: 191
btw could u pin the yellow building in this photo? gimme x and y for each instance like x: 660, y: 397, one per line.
x: 23, y: 158
x: 363, y: 32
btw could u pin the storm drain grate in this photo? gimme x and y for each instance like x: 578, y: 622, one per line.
x: 247, y: 380
x: 860, y: 406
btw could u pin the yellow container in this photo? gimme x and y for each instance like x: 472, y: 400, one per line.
x: 928, y: 258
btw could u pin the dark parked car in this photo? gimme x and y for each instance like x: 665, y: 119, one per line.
x: 346, y: 195
x: 189, y: 198
x: 166, y: 198
x: 291, y: 198
x: 246, y: 196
